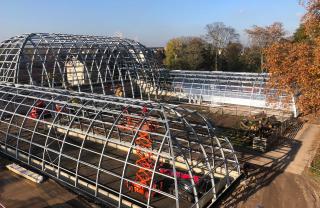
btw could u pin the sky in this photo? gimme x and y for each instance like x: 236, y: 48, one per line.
x: 152, y: 22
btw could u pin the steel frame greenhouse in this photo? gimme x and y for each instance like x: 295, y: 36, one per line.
x: 125, y: 68
x: 217, y: 87
x: 96, y: 64
x: 123, y: 152
x: 57, y: 115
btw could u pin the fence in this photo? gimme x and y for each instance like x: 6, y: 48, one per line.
x: 249, y: 111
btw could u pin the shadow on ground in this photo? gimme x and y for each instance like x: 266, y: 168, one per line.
x: 258, y: 176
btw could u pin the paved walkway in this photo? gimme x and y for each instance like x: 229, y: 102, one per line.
x: 299, y: 153
x: 280, y: 180
x: 309, y: 136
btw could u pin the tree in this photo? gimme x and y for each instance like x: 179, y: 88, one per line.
x: 231, y: 57
x: 209, y: 54
x: 251, y: 59
x: 238, y: 58
x: 173, y: 52
x: 300, y: 34
x: 194, y: 53
x: 220, y: 35
x: 311, y: 20
x: 261, y: 37
x: 295, y: 66
x: 185, y: 53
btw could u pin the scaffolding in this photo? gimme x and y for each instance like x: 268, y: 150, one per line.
x: 95, y: 64
x: 123, y: 152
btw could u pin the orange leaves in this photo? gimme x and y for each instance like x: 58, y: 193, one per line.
x: 263, y: 36
x: 311, y: 19
x: 294, y: 67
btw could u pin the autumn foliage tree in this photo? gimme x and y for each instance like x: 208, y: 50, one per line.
x: 295, y: 66
x: 262, y: 37
x: 311, y: 20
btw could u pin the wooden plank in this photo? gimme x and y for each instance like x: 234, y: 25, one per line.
x: 30, y: 175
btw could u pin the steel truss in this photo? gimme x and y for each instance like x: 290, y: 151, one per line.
x: 95, y: 143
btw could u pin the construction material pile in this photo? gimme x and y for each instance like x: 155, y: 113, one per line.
x: 264, y: 130
x: 260, y: 124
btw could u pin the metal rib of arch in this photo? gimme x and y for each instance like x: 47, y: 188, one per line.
x: 98, y: 144
x: 104, y: 65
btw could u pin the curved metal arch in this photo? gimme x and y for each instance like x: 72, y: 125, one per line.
x: 84, y: 140
x: 206, y: 161
x: 98, y: 124
x: 46, y: 65
x: 189, y: 160
x: 132, y: 146
x: 104, y: 147
x: 7, y: 73
x: 47, y: 137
